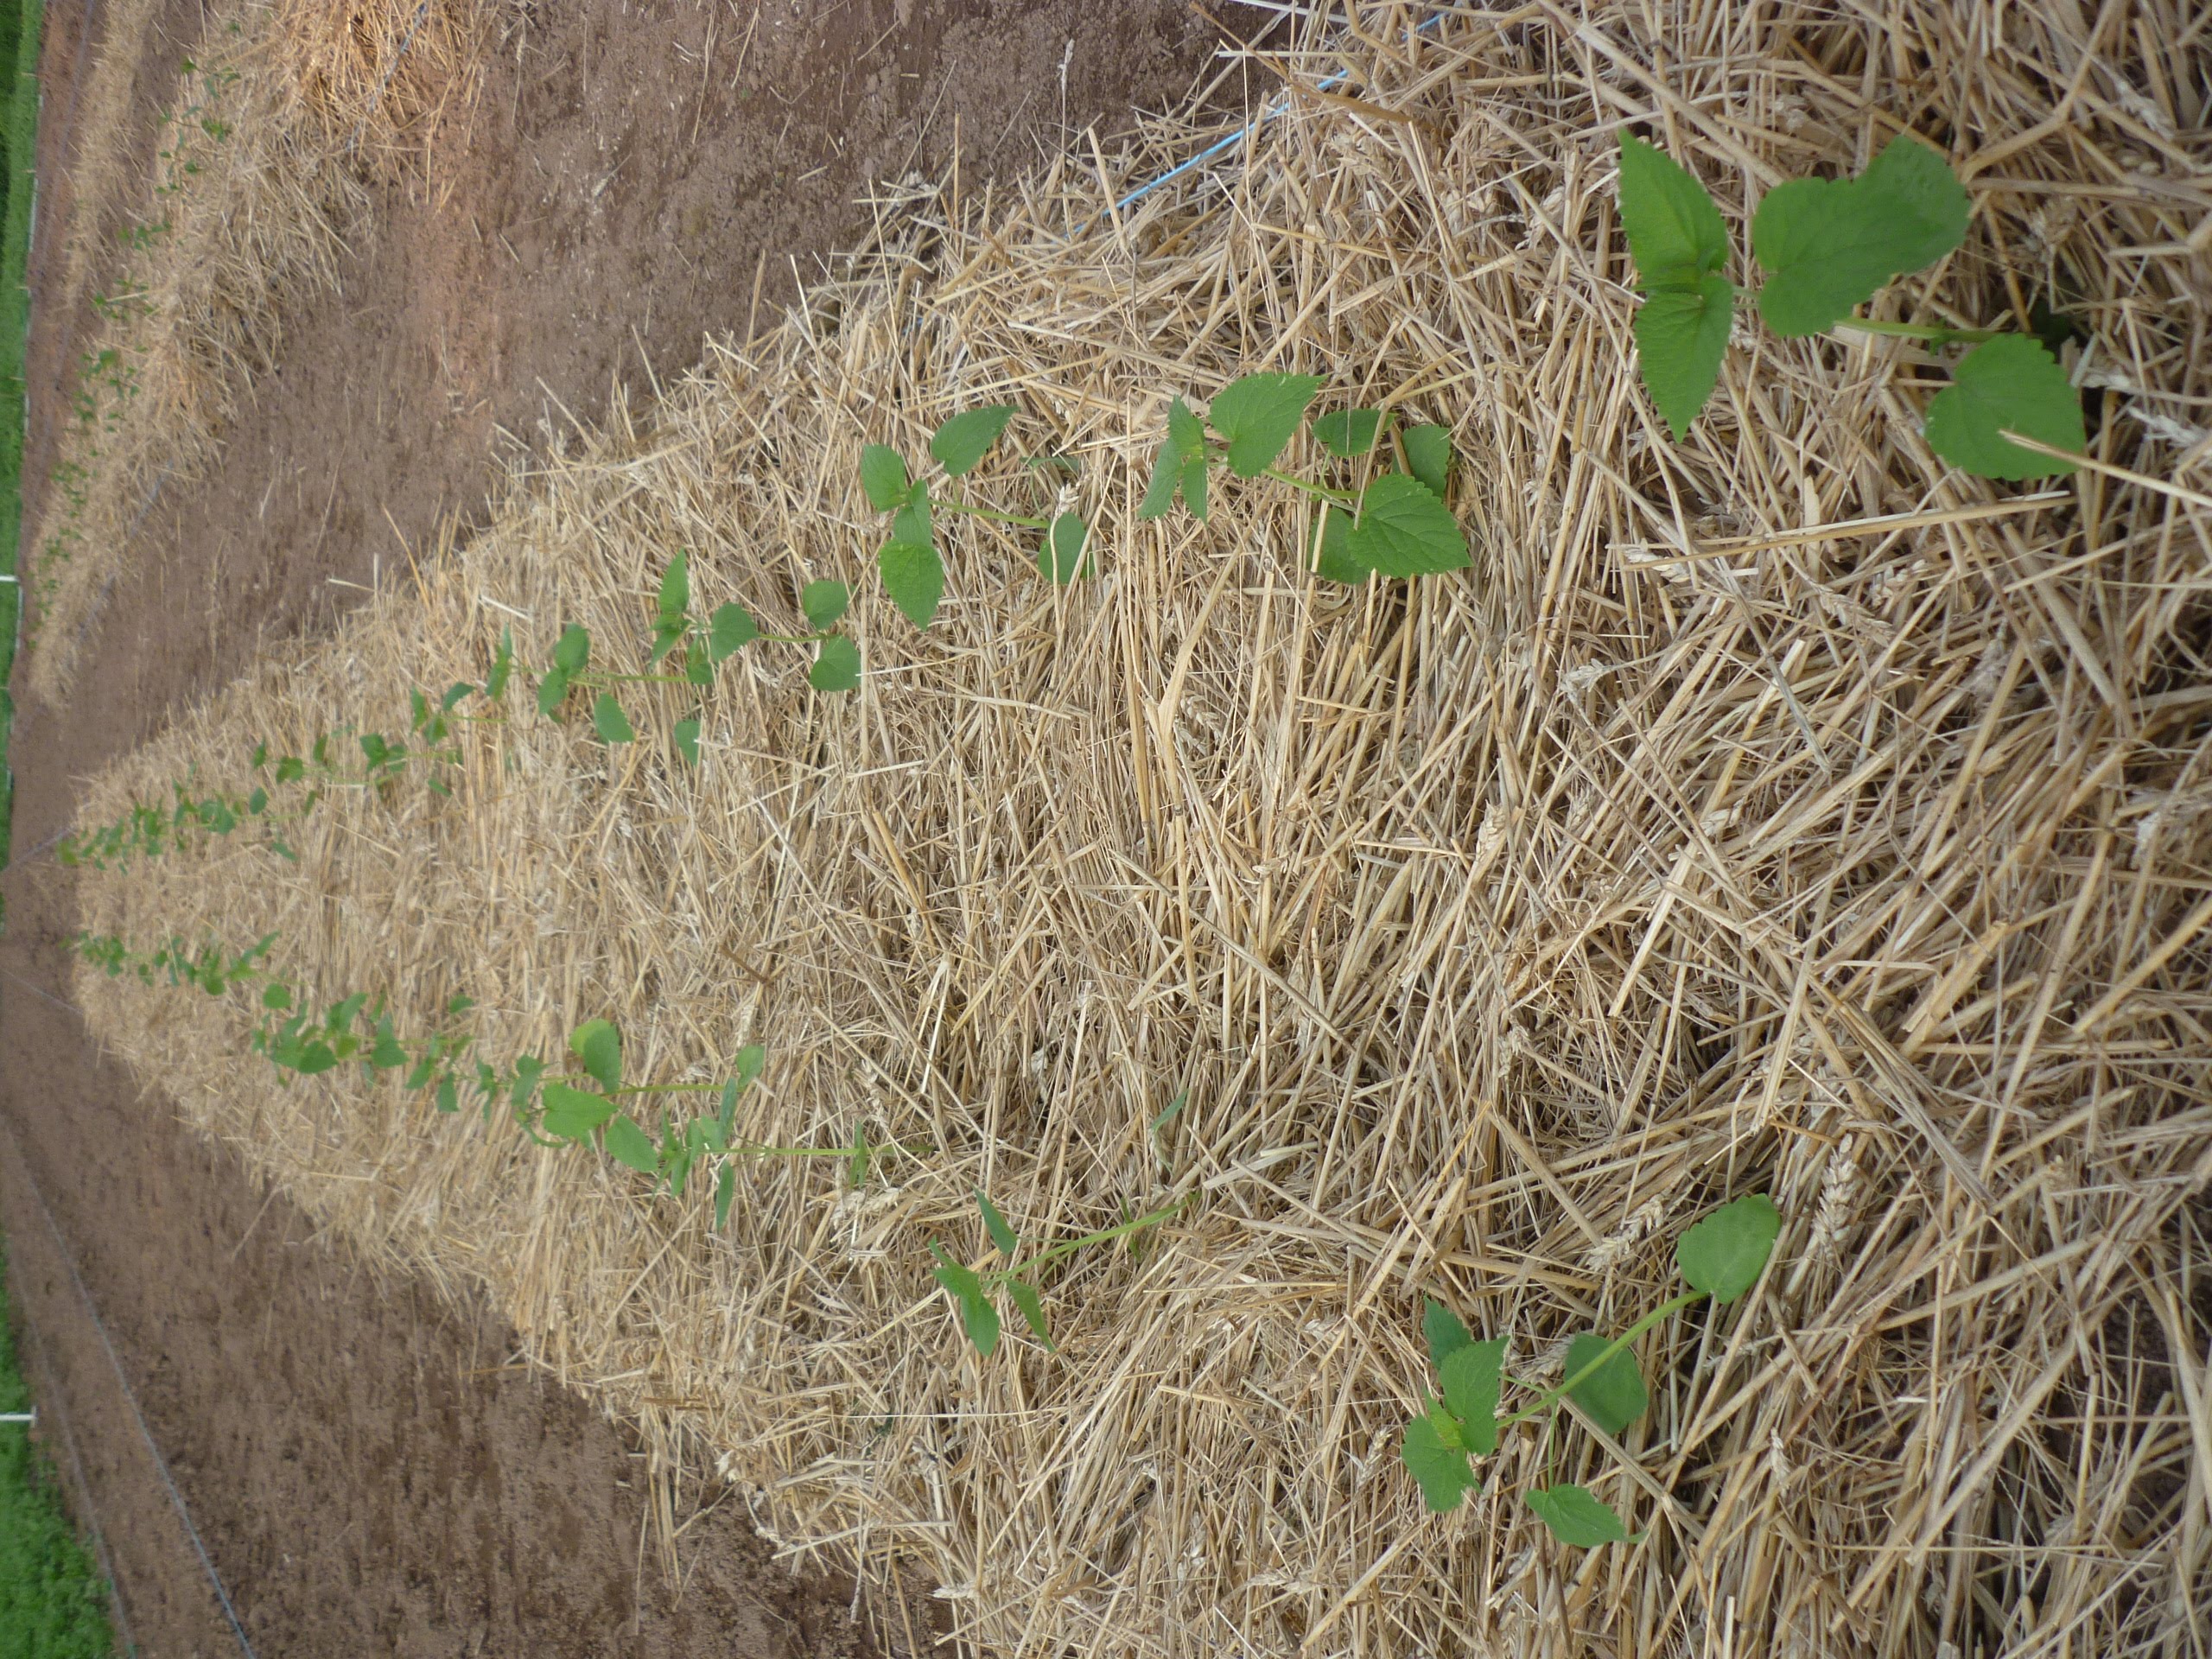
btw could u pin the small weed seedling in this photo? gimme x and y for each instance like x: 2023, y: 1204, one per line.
x: 972, y: 1290
x: 912, y: 572
x: 1826, y: 245
x: 1397, y: 525
x: 1722, y: 1256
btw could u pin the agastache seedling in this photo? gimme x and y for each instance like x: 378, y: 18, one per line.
x: 912, y: 571
x: 706, y: 643
x: 971, y: 1290
x: 1721, y: 1257
x: 299, y: 1042
x: 1826, y: 245
x: 1396, y: 526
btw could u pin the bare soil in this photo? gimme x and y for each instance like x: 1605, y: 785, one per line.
x: 370, y: 1470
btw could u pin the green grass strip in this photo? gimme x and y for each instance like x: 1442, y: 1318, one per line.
x: 53, y: 1602
x: 19, y: 38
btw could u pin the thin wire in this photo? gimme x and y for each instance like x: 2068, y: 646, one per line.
x: 1281, y: 103
x: 132, y: 1400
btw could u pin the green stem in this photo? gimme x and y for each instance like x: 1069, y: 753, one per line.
x: 1339, y: 498
x: 1934, y: 333
x: 993, y: 513
x: 1551, y: 1397
x: 1074, y: 1244
x: 794, y: 638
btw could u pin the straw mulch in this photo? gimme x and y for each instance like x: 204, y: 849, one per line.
x: 1781, y: 811
x: 263, y: 146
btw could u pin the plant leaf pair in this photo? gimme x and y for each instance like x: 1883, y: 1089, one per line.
x: 912, y: 571
x: 1722, y: 1256
x: 1179, y: 467
x: 971, y: 1290
x: 1438, y: 1445
x: 1679, y: 247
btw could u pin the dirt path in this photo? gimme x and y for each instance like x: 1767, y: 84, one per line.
x: 370, y: 1472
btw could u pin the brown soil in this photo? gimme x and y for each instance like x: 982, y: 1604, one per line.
x: 370, y: 1472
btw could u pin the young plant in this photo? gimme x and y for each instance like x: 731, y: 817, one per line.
x: 912, y: 572
x: 575, y: 1112
x: 1826, y: 245
x: 705, y: 644
x: 1721, y: 1257
x: 300, y: 1042
x: 1396, y: 526
x: 972, y: 1290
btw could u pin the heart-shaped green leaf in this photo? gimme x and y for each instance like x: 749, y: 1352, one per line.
x: 572, y: 1114
x: 1613, y: 1394
x: 1428, y: 457
x: 1674, y: 232
x: 914, y: 577
x: 2008, y: 384
x: 1349, y: 432
x: 1443, y: 1471
x: 1578, y: 1518
x: 1258, y: 414
x: 676, y: 589
x: 1682, y: 334
x: 732, y: 629
x: 883, y: 477
x: 1404, y: 531
x: 837, y: 665
x: 572, y: 650
x: 598, y: 1045
x: 1827, y: 244
x: 1723, y: 1254
x: 609, y: 722
x: 1444, y: 1331
x: 628, y: 1144
x: 963, y: 440
x: 1472, y: 1376
x: 551, y: 692
x: 823, y: 601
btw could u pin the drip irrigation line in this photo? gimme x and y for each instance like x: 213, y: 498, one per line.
x: 161, y: 1463
x: 1281, y: 103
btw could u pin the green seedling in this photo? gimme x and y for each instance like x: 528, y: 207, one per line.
x: 1827, y: 246
x: 912, y: 570
x: 972, y: 1289
x: 1721, y: 1257
x: 553, y: 1108
x: 703, y: 643
x: 148, y: 832
x: 1397, y: 524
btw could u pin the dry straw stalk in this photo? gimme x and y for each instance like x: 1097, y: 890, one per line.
x: 1780, y: 811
